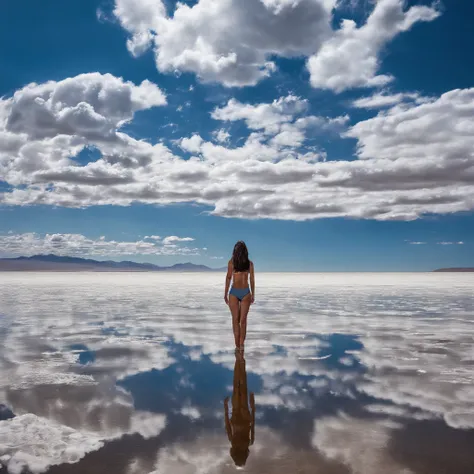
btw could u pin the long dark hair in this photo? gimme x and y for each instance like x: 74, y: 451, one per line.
x: 240, y: 257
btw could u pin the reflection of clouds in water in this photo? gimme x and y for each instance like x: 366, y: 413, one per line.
x: 106, y: 411
x: 70, y: 421
x: 209, y: 454
x: 205, y: 455
x: 407, y: 342
x: 191, y: 412
x: 37, y: 443
x: 359, y: 444
x: 423, y: 372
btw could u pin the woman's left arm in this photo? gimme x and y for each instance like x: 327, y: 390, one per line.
x: 252, y: 281
x: 228, y: 279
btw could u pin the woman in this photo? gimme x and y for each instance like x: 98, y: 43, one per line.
x: 240, y: 296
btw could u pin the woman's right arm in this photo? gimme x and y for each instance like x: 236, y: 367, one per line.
x: 228, y: 278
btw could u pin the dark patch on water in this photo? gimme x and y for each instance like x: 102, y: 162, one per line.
x: 5, y: 413
x: 86, y: 356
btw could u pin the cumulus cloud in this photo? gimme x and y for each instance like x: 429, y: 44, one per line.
x: 267, y: 117
x: 232, y: 41
x: 221, y: 135
x: 89, y: 105
x: 350, y: 58
x: 43, y: 127
x: 280, y: 119
x: 173, y: 238
x: 227, y: 41
x: 192, y: 144
x: 80, y: 245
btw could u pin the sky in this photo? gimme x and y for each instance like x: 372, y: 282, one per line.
x: 329, y: 135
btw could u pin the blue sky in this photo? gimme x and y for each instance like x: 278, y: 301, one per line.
x: 329, y: 135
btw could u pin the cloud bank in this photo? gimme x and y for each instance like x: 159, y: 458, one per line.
x: 79, y: 245
x: 412, y: 158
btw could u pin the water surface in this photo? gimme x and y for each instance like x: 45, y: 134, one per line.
x: 342, y: 373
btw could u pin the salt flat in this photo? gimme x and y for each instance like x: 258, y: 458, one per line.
x: 127, y: 373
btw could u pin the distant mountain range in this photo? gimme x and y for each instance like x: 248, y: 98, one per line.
x: 455, y: 269
x: 56, y: 263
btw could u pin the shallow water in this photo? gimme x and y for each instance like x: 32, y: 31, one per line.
x: 127, y: 373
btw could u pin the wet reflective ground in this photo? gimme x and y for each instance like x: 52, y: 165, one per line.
x: 136, y: 373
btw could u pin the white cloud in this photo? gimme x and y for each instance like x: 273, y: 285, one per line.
x: 139, y: 43
x: 89, y: 105
x: 279, y: 119
x: 43, y: 127
x: 350, y: 58
x: 229, y: 41
x: 192, y: 144
x: 267, y: 117
x: 439, y: 243
x: 79, y: 245
x: 380, y: 100
x: 152, y: 237
x: 221, y: 135
x: 232, y: 41
x: 173, y: 238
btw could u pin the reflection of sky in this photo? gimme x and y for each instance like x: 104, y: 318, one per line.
x: 124, y: 369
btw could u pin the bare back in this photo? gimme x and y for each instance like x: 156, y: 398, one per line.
x: 240, y: 279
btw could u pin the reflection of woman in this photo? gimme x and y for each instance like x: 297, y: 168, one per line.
x: 241, y: 426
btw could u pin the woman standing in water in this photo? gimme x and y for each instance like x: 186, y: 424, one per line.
x: 240, y: 296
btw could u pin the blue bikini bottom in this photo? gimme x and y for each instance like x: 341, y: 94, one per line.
x: 239, y: 292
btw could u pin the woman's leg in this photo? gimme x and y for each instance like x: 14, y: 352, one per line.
x: 235, y: 310
x: 244, y: 311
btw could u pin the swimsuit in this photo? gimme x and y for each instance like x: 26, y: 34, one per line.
x: 239, y: 292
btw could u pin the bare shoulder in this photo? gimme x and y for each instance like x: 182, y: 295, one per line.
x: 251, y: 265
